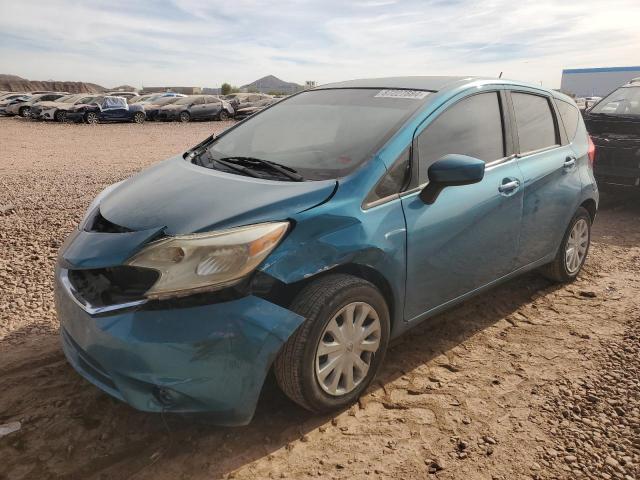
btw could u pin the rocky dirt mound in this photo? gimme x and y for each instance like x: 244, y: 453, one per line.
x: 13, y: 83
x: 596, y: 420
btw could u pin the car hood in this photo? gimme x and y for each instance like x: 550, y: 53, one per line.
x: 6, y: 103
x: 80, y: 106
x: 53, y: 104
x: 185, y: 198
x: 616, y: 125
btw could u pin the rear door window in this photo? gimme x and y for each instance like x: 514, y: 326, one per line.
x: 570, y: 116
x: 472, y: 127
x: 534, y: 119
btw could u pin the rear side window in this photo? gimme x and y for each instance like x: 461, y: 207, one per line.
x: 198, y: 101
x: 570, y: 116
x: 472, y: 127
x: 536, y: 128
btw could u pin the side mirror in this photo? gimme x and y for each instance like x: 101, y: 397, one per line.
x: 450, y: 171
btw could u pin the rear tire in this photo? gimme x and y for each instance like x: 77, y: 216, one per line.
x: 24, y: 112
x: 325, y: 382
x: 59, y: 116
x: 185, y: 117
x: 223, y: 115
x: 573, y: 249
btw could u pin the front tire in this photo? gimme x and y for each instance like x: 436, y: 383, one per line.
x: 185, y: 117
x: 335, y: 354
x: 223, y: 115
x: 573, y: 249
x: 59, y: 116
x: 138, y: 117
x: 24, y: 112
x: 91, y: 118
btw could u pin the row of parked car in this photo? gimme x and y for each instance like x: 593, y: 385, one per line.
x: 130, y: 107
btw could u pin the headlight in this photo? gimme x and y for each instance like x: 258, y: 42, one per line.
x: 208, y: 261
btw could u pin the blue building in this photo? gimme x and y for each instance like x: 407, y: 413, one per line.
x: 596, y: 82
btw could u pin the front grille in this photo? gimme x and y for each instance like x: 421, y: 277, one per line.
x: 618, y: 157
x: 618, y: 180
x: 103, y: 287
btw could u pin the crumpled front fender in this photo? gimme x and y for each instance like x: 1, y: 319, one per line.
x: 209, y: 358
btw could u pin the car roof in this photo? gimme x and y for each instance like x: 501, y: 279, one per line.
x: 429, y: 83
x: 437, y: 84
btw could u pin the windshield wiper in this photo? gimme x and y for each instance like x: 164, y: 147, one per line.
x: 237, y: 168
x: 248, y: 162
x: 199, y: 149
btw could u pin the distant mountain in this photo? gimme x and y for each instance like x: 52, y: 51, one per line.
x: 14, y: 83
x: 271, y: 84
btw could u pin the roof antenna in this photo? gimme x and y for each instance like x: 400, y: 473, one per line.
x: 500, y: 76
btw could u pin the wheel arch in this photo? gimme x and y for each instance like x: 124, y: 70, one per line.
x: 590, y: 206
x: 284, y: 293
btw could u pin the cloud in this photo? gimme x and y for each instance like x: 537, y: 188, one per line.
x: 205, y: 43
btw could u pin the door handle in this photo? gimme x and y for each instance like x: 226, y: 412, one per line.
x: 569, y: 163
x: 509, y: 187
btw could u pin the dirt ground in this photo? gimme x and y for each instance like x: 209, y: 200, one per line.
x: 529, y: 380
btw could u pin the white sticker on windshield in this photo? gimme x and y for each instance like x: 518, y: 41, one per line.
x: 414, y: 94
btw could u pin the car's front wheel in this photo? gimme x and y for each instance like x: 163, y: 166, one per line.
x: 335, y: 354
x: 573, y: 250
x: 138, y: 117
x: 91, y: 118
x: 185, y: 117
x: 24, y: 112
x: 59, y: 116
x: 223, y: 115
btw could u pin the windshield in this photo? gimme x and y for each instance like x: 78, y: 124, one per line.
x: 321, y: 134
x: 166, y: 100
x: 624, y: 101
x: 186, y: 100
x: 143, y: 98
x: 68, y: 98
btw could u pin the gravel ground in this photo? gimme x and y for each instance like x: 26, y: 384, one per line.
x: 529, y: 380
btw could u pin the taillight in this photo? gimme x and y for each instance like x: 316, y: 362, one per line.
x: 591, y: 152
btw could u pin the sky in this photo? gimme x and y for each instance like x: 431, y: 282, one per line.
x: 206, y: 42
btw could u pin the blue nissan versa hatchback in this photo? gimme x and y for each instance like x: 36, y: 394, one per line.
x: 306, y: 237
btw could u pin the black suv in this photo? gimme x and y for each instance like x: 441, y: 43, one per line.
x: 614, y: 126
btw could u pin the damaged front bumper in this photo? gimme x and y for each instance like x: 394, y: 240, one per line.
x: 74, y: 117
x: 166, y: 115
x: 208, y: 358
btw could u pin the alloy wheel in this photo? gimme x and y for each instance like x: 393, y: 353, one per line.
x: 577, y: 245
x: 92, y: 118
x: 185, y: 117
x: 347, y: 347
